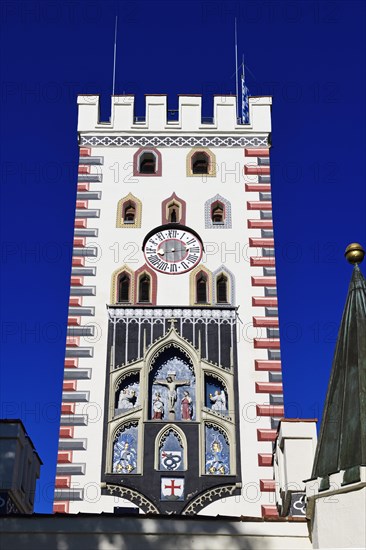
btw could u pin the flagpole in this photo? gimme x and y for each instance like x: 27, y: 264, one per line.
x: 236, y: 72
x: 114, y: 55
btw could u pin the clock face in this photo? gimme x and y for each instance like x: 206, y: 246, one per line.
x: 173, y: 250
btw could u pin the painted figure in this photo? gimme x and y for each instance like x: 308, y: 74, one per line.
x: 216, y: 461
x: 186, y: 406
x: 218, y: 401
x: 127, y: 461
x: 127, y: 399
x: 158, y: 407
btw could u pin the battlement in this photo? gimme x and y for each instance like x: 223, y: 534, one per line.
x: 187, y: 118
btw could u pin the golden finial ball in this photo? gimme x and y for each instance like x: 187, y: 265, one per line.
x: 354, y: 253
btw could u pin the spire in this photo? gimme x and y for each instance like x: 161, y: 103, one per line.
x: 342, y: 440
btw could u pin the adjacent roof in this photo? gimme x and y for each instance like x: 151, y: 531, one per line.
x: 342, y: 440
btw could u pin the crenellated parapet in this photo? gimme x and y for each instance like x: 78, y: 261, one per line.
x: 188, y: 117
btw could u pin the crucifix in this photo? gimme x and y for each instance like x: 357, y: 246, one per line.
x: 171, y: 383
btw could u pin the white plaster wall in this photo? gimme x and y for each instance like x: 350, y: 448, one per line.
x: 339, y: 520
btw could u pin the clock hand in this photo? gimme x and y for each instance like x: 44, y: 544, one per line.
x: 161, y: 251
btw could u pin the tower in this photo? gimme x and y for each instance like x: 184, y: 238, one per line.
x: 172, y: 387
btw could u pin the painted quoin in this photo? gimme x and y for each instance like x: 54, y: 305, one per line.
x: 172, y: 387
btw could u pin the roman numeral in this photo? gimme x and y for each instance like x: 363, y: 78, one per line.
x: 191, y: 241
x: 192, y: 258
x: 163, y: 266
x: 195, y: 250
x: 154, y: 259
x: 173, y: 268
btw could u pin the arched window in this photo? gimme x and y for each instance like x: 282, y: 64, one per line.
x: 200, y: 163
x: 173, y: 210
x: 124, y: 285
x: 217, y: 213
x: 221, y: 289
x: 201, y: 289
x: 129, y: 210
x: 200, y: 286
x: 223, y: 282
x: 144, y: 288
x: 129, y: 213
x: 147, y: 163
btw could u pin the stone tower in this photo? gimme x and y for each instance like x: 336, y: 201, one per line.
x: 172, y: 387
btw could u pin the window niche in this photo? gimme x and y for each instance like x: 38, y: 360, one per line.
x: 146, y: 286
x: 122, y: 286
x: 172, y: 385
x: 147, y: 162
x: 200, y: 286
x: 216, y: 395
x: 201, y: 162
x: 125, y: 449
x: 173, y: 210
x: 223, y: 287
x: 127, y: 394
x: 129, y: 210
x: 218, y: 213
x: 217, y: 451
x: 144, y: 289
x: 172, y: 451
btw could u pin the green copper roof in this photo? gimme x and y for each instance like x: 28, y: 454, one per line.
x: 342, y: 440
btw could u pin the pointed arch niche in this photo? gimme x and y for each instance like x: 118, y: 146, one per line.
x: 171, y: 451
x: 200, y: 286
x: 145, y: 286
x: 173, y: 207
x: 125, y: 450
x: 122, y: 286
x: 172, y: 385
x: 218, y: 213
x: 223, y: 286
x: 129, y: 210
x: 218, y: 455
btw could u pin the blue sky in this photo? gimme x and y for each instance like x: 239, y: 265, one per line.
x: 309, y: 55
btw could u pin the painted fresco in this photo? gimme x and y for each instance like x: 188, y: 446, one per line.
x: 125, y: 451
x: 127, y: 397
x: 217, y: 452
x: 171, y: 452
x: 216, y: 397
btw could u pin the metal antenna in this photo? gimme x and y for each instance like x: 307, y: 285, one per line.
x: 115, y: 54
x: 236, y: 72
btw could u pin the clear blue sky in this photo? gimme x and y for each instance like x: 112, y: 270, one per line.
x: 309, y: 55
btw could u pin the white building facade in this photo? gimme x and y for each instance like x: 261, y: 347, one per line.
x: 172, y: 387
